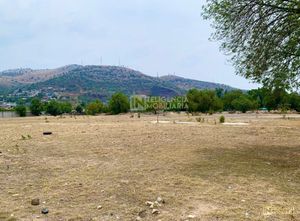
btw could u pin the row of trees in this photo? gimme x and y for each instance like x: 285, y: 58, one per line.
x: 219, y: 100
x: 206, y: 101
x: 118, y: 103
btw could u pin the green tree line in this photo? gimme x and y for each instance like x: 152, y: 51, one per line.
x: 237, y: 100
x: 119, y: 103
x: 205, y: 101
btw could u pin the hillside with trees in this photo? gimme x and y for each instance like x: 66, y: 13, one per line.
x: 88, y: 83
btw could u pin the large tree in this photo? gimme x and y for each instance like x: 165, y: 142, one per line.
x: 262, y: 36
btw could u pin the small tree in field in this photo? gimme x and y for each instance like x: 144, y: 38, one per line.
x: 36, y: 107
x: 21, y: 110
x: 53, y: 108
x: 95, y: 107
x: 119, y: 103
x: 79, y: 109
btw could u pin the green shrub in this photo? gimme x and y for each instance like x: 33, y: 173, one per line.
x: 119, y: 103
x: 21, y: 110
x: 53, y: 108
x: 57, y: 108
x: 203, y: 101
x: 95, y: 107
x: 222, y: 119
x: 36, y: 107
x: 79, y: 109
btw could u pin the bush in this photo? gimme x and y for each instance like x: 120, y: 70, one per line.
x: 79, y: 109
x: 21, y: 110
x: 203, y: 101
x: 95, y: 107
x: 243, y: 104
x: 229, y: 97
x: 36, y: 107
x: 119, y: 103
x: 56, y: 108
x: 222, y: 119
x: 65, y: 107
x: 53, y: 108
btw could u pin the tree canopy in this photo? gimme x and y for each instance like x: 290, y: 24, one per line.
x: 95, y: 107
x: 36, y: 107
x: 21, y: 110
x: 119, y: 103
x: 262, y: 36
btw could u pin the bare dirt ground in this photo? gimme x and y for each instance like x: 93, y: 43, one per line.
x: 107, y: 167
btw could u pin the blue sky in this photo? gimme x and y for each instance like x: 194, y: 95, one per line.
x: 153, y: 36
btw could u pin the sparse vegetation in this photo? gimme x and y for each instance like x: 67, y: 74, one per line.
x: 250, y: 168
x: 222, y: 119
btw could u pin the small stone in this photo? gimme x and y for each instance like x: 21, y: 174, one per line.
x: 155, y: 211
x: 160, y: 200
x: 191, y: 217
x: 99, y: 207
x: 35, y: 202
x: 138, y: 218
x: 45, y: 211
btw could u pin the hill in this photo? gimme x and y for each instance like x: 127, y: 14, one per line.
x: 187, y: 84
x: 90, y: 82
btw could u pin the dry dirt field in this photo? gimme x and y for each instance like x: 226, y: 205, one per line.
x: 107, y: 167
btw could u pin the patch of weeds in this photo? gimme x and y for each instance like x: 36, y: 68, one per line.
x: 222, y: 119
x: 27, y: 137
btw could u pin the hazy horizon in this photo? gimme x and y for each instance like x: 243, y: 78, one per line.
x: 156, y: 38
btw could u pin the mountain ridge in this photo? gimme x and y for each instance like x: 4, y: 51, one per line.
x: 92, y: 81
